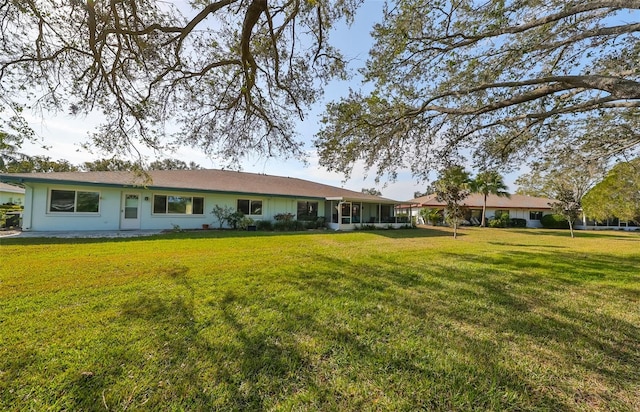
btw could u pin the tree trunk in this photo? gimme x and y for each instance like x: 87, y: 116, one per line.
x: 571, y: 228
x: 484, y: 212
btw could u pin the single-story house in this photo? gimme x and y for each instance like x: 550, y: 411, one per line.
x: 11, y: 195
x: 528, y: 208
x: 165, y: 199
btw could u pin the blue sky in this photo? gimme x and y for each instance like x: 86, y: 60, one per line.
x: 63, y: 134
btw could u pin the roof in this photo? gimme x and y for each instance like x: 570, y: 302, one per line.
x: 11, y: 188
x: 203, y: 180
x: 476, y: 200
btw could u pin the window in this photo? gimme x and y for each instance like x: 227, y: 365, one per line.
x: 74, y: 201
x: 178, y: 205
x: 535, y: 215
x: 307, y: 210
x: 250, y: 207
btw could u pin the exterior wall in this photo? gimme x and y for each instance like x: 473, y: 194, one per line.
x: 37, y: 217
x: 11, y: 197
x: 513, y: 214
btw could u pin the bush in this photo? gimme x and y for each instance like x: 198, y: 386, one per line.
x: 515, y: 222
x: 265, y: 225
x: 554, y: 222
x: 287, y: 225
x: 502, y: 221
x: 235, y: 219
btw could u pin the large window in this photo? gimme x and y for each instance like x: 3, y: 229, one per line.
x: 307, y: 210
x: 250, y: 207
x: 535, y: 215
x: 74, y: 201
x: 178, y: 205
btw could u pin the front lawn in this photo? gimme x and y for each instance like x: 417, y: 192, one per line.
x: 382, y: 320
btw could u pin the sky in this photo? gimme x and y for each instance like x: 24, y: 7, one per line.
x: 63, y: 134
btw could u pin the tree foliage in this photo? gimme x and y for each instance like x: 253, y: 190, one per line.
x: 452, y: 187
x: 231, y: 75
x: 568, y: 205
x: 618, y: 195
x: 371, y: 191
x: 488, y: 182
x: 569, y: 170
x: 504, y: 79
x: 38, y: 164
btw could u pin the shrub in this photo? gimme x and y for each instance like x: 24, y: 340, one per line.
x: 245, y: 222
x: 515, y: 222
x: 265, y: 225
x: 284, y: 217
x: 234, y: 219
x: 222, y: 214
x: 554, y: 222
x: 287, y: 225
x: 502, y: 221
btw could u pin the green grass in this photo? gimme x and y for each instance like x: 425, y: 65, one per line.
x: 384, y: 320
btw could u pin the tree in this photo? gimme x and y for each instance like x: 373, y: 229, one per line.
x: 569, y: 170
x: 618, y: 195
x: 109, y: 165
x: 500, y: 77
x: 231, y: 75
x: 40, y: 164
x: 567, y: 205
x: 452, y: 187
x: 428, y: 191
x: 372, y: 191
x: 486, y: 183
x: 173, y: 164
x: 222, y: 214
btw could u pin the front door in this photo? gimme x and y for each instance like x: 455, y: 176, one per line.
x: 130, y: 212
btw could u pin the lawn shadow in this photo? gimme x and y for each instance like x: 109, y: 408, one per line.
x: 593, y: 234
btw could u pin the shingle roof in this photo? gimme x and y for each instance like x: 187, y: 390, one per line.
x: 206, y: 180
x: 10, y: 188
x: 494, y: 202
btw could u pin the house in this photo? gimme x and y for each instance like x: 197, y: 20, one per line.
x: 11, y: 195
x: 528, y: 208
x: 164, y: 199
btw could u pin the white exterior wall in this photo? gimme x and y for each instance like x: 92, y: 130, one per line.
x: 11, y: 197
x: 513, y: 214
x: 38, y: 218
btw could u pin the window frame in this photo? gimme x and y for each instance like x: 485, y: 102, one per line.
x: 75, y: 203
x: 538, y: 213
x: 307, y: 217
x: 173, y: 213
x: 250, y: 206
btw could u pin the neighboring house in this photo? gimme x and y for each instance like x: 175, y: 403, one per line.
x: 10, y: 194
x: 164, y: 199
x: 611, y: 223
x: 517, y: 207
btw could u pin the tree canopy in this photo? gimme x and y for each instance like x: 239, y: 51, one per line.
x: 504, y: 80
x: 617, y: 195
x: 452, y: 187
x: 227, y: 76
x: 488, y: 182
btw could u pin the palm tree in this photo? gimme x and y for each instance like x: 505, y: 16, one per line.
x: 486, y: 183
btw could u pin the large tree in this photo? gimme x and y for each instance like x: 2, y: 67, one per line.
x: 228, y: 76
x: 503, y: 79
x: 488, y: 182
x: 618, y: 195
x: 566, y: 171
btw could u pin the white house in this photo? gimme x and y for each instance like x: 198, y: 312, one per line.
x: 10, y: 194
x: 164, y: 199
x: 528, y: 208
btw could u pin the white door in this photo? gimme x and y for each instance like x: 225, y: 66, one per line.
x: 130, y: 211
